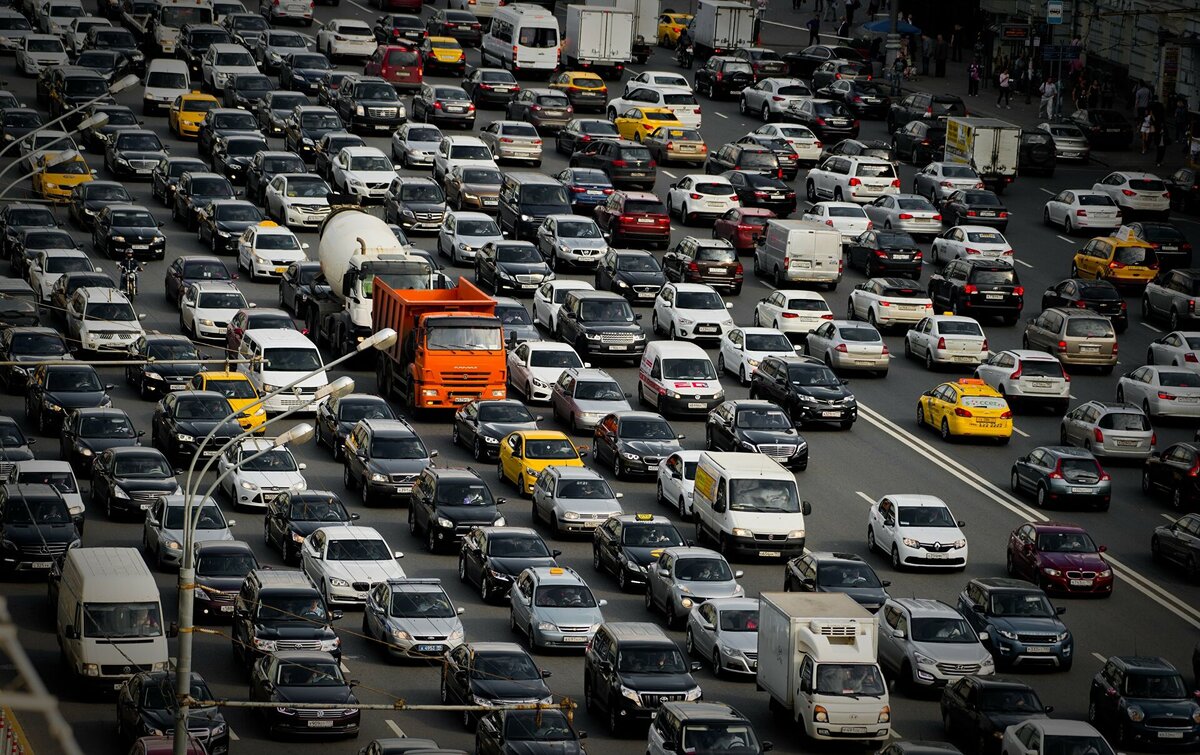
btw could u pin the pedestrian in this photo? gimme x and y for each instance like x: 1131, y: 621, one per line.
x: 1161, y: 141
x: 1079, y: 93
x: 1049, y: 91
x: 851, y: 6
x: 1141, y: 99
x: 897, y: 72
x: 956, y: 43
x: 814, y: 29
x: 830, y: 10
x: 926, y: 53
x: 1182, y: 117
x: 1106, y: 94
x: 941, y: 51
x: 843, y: 29
x: 1146, y: 131
x: 797, y: 4
x: 1030, y: 79
x: 974, y: 73
x: 1005, y: 82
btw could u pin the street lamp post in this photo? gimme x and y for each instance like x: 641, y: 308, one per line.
x: 117, y: 86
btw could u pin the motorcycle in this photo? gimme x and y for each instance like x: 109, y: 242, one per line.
x: 683, y: 56
x: 129, y: 281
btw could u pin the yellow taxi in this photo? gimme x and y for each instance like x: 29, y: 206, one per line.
x: 55, y: 182
x: 1121, y: 260
x: 670, y: 26
x: 186, y: 112
x: 238, y: 391
x: 637, y: 123
x: 966, y: 407
x: 525, y: 453
x: 585, y: 90
x: 443, y: 52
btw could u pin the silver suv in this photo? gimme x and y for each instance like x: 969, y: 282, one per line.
x: 1109, y: 429
x: 414, y: 618
x: 926, y: 643
x: 685, y: 576
x: 573, y: 499
x: 553, y: 607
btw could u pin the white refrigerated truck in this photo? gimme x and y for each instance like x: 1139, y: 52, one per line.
x: 989, y: 145
x: 599, y: 39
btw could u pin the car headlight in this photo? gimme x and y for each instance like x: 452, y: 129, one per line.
x: 960, y: 543
x: 174, y: 545
x: 207, y: 323
x: 306, y: 141
x: 224, y: 234
x: 539, y: 383
x: 297, y: 538
x: 399, y: 635
x: 267, y: 646
x: 1064, y: 636
x: 50, y: 405
x: 1051, y: 572
x: 885, y: 715
x: 298, y: 486
x: 988, y: 661
x: 1006, y: 634
x: 910, y: 542
x: 246, y: 484
x: 444, y: 523
x: 1106, y: 573
x: 795, y: 534
x: 631, y: 457
x: 360, y: 110
x: 489, y: 439
x: 526, y: 218
x: 85, y: 452
x: 184, y: 438
x: 923, y: 660
x: 338, y: 582
x: 685, y: 321
x: 820, y: 715
x: 693, y: 694
x: 455, y: 636
x: 531, y: 471
x: 749, y: 446
x: 376, y: 477
x: 742, y: 532
x: 500, y: 522
x: 1135, y: 713
x: 119, y: 492
x: 621, y: 284
x: 630, y: 694
x: 547, y: 626
x: 1196, y: 716
x: 571, y: 515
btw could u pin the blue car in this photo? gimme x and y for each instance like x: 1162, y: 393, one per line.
x: 1022, y: 628
x: 588, y: 188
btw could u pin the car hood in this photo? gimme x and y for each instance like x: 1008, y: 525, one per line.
x: 650, y: 447
x: 658, y: 682
x: 824, y: 393
x: 425, y: 147
x: 293, y: 630
x: 373, y: 176
x: 198, y: 718
x: 50, y: 534
x: 789, y: 436
x: 705, y: 315
x: 650, y: 278
x: 414, y: 206
x: 602, y: 407
x: 76, y: 399
x: 132, y: 154
x: 710, y: 590
x: 221, y: 584
x: 569, y: 617
x: 137, y: 231
x: 944, y: 535
x: 524, y: 268
x: 643, y: 556
x: 202, y: 427
x: 1029, y: 624
x: 510, y: 689
x: 422, y: 627
x: 744, y: 641
x: 143, y: 485
x: 1074, y: 561
x: 542, y: 210
x: 870, y: 598
x: 235, y: 225
x: 221, y: 314
x: 557, y: 747
x: 306, y: 694
x: 200, y: 536
x: 311, y: 74
x: 515, y: 566
x: 468, y: 514
x: 399, y: 466
x: 271, y: 479
x: 1002, y: 720
x: 103, y: 444
x: 591, y: 505
x: 953, y: 652
x: 365, y: 571
x: 174, y: 370
x: 571, y: 243
x: 501, y: 429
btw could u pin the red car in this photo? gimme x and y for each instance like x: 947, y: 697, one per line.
x: 1059, y: 557
x: 634, y: 216
x: 399, y: 65
x: 742, y: 227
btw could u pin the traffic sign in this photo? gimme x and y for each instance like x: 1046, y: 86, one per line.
x: 1054, y: 11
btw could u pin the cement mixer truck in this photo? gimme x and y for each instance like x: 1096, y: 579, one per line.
x: 355, y: 249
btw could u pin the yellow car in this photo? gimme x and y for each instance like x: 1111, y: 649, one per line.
x: 966, y: 407
x: 670, y: 26
x: 584, y: 89
x: 525, y: 453
x: 238, y: 391
x: 443, y: 52
x: 187, y: 111
x: 637, y: 123
x: 1121, y: 261
x: 56, y: 181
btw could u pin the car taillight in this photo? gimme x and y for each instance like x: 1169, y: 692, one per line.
x: 856, y: 123
x: 437, y: 106
x: 693, y: 267
x: 969, y: 250
x: 826, y: 317
x: 961, y: 412
x: 820, y: 121
x: 941, y: 343
x: 1018, y: 290
x: 720, y: 75
x: 928, y: 111
x: 885, y: 350
x: 937, y: 218
x: 970, y: 288
x: 829, y: 223
x: 1098, y: 435
x: 842, y: 348
x: 1115, y: 265
x: 619, y: 164
x: 858, y: 99
x: 855, y: 182
x: 1195, y: 470
x: 578, y: 189
x: 971, y: 213
x: 906, y: 216
x: 1081, y: 213
x: 1057, y: 473
x: 880, y: 253
x: 1016, y: 374
x: 1165, y: 396
x: 1003, y: 214
x: 1062, y: 346
x: 739, y: 270
x: 608, y: 191
x: 789, y: 315
x: 1006, y: 414
x: 1129, y: 193
x: 984, y: 347
x: 693, y: 195
x: 1081, y: 304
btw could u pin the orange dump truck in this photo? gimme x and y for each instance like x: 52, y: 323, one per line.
x: 450, y: 348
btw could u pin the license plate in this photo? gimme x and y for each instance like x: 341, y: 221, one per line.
x: 1081, y: 583
x: 987, y: 214
x: 572, y: 638
x: 428, y: 648
x: 637, y: 175
x: 1037, y: 649
x: 462, y: 399
x: 619, y: 348
x: 1089, y: 349
x: 404, y: 488
x: 41, y: 564
x: 903, y: 256
x: 831, y: 414
x: 227, y: 609
x: 1040, y: 384
x: 320, y: 724
x: 696, y: 405
x: 455, y: 109
x: 1188, y: 399
x: 594, y: 192
x: 1081, y: 490
x: 993, y: 297
x: 178, y: 387
x: 646, y: 221
x: 854, y: 730
x: 936, y: 555
x: 1170, y: 735
x: 141, y: 247
x: 1126, y: 443
x: 145, y: 506
x: 502, y: 90
x: 281, y: 270
x: 718, y: 271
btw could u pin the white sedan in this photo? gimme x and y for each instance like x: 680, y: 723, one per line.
x: 808, y: 147
x: 38, y: 51
x: 206, y: 307
x: 52, y: 264
x: 256, y: 473
x: 535, y: 366
x: 346, y: 37
x: 916, y: 530
x: 691, y: 311
x: 946, y: 339
x: 699, y: 194
x: 887, y: 302
x: 792, y: 311
x: 658, y: 78
x: 978, y: 241
x: 677, y: 481
x: 1080, y: 209
x: 1178, y: 348
x: 847, y: 218
x: 363, y: 172
x: 679, y: 100
x: 1162, y: 391
x: 265, y: 250
x: 297, y: 199
x: 548, y: 300
x: 769, y: 99
x: 1136, y: 193
x: 911, y: 213
x: 342, y: 559
x: 742, y: 349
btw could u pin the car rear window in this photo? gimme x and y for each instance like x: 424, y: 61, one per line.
x: 860, y: 335
x: 1101, y: 293
x: 994, y: 277
x: 1135, y: 255
x: 984, y: 237
x: 1179, y: 379
x: 648, y: 206
x: 683, y: 98
x: 807, y: 305
x: 709, y: 254
x: 1125, y: 421
x: 1041, y: 368
x: 845, y: 212
x: 1095, y: 200
x: 635, y: 153
x: 402, y: 58
x: 1158, y: 233
x: 876, y: 170
x: 1147, y: 184
x: 738, y: 66
x: 553, y: 100
x: 983, y: 199
x: 1089, y: 327
x: 958, y: 171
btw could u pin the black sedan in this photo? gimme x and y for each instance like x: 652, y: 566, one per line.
x: 500, y: 266
x: 767, y: 192
x: 490, y: 86
x: 119, y: 229
x: 304, y: 676
x: 1167, y: 472
x: 866, y: 99
x: 304, y: 71
x: 298, y: 285
x: 1097, y: 295
x: 974, y: 207
x: 633, y: 273
x: 721, y: 76
x: 55, y: 389
x: 829, y: 120
x: 133, y: 153
x: 459, y: 24
x: 221, y: 223
x: 146, y: 706
x: 293, y: 516
x: 335, y: 418
x: 1104, y: 129
x: 164, y: 180
x: 181, y: 362
x: 1184, y: 186
x: 87, y: 199
x: 1179, y: 543
x: 490, y: 558
x: 28, y: 344
x: 633, y: 443
x: 804, y: 62
x: 1170, y: 244
x: 744, y: 424
x: 886, y: 253
x: 496, y: 671
x: 629, y: 544
x: 785, y: 153
x: 231, y: 155
x: 127, y: 480
x: 977, y: 709
x: 183, y: 419
x: 919, y: 142
x: 580, y: 131
x: 221, y: 567
x: 245, y: 90
x: 527, y: 732
x: 87, y: 432
x: 193, y: 268
x: 845, y: 573
x: 480, y: 425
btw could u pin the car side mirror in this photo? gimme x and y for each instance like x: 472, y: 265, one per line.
x: 110, y: 386
x: 1049, y: 709
x: 806, y: 507
x: 501, y: 501
x: 695, y: 666
x: 433, y: 454
x: 70, y: 632
x: 355, y: 515
x: 898, y: 634
x: 141, y: 433
x: 397, y: 555
x: 546, y: 673
x: 1103, y: 549
x: 337, y: 613
x: 739, y: 574
x: 1060, y: 610
x: 767, y: 746
x: 728, y: 305
x: 983, y: 636
x: 601, y: 603
x: 302, y: 466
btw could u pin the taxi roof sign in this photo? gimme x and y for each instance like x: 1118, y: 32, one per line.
x: 557, y: 570
x: 644, y: 517
x: 969, y: 381
x: 268, y: 224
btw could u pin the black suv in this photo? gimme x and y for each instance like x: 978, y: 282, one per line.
x: 194, y: 41
x: 266, y: 165
x: 280, y: 609
x: 1140, y: 700
x: 305, y: 126
x: 196, y: 191
x: 1170, y: 244
x: 447, y: 503
x: 626, y: 163
x: 224, y: 120
x: 806, y: 389
x: 526, y: 199
x: 746, y: 424
x: 221, y: 223
x: 920, y: 142
x: 29, y: 343
x: 151, y: 378
x: 383, y: 457
x: 630, y: 668
x: 273, y: 110
x: 923, y: 105
x: 976, y: 288
x: 633, y: 273
x: 513, y: 265
x: 748, y: 158
x: 370, y: 103
x: 1097, y: 295
x: 601, y: 323
x: 846, y: 573
x: 975, y: 207
x: 722, y: 76
x: 977, y: 709
x: 231, y: 154
x: 73, y: 88
x: 245, y: 90
x: 119, y: 229
x: 127, y: 480
x: 626, y: 544
x: 36, y: 528
x: 294, y: 516
x: 221, y: 567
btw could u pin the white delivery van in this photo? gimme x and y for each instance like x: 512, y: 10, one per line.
x: 109, y: 619
x: 799, y: 251
x: 677, y: 377
x: 523, y: 38
x: 165, y: 80
x: 279, y: 357
x: 749, y: 504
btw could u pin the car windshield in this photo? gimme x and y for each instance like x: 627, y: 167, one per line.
x: 599, y: 390
x: 166, y: 80
x: 73, y: 380
x: 22, y: 118
x: 292, y: 359
x: 1167, y: 686
x: 22, y: 510
x: 1002, y: 277
x: 273, y: 460
x: 71, y: 168
x: 221, y: 300
x: 1017, y: 603
x: 106, y: 427
x: 947, y: 629
x: 10, y: 435
x: 554, y: 358
x: 1135, y: 255
x: 226, y: 565
x: 651, y: 660
x: 1010, y: 701
x: 593, y: 490
x: 925, y: 516
x: 312, y: 673
x: 739, y: 620
x: 212, y: 187
x: 379, y: 162
x: 763, y: 419
x: 859, y: 335
x: 815, y: 375
x: 357, y: 550
x: 456, y: 338
x: 985, y: 237
x: 41, y: 44
x: 470, y: 152
x: 209, y: 518
x: 768, y: 342
x: 353, y: 411
x: 49, y: 240
x: 477, y: 228
x: 846, y: 574
x: 1065, y: 542
x: 482, y: 176
x: 463, y: 494
x: 274, y: 165
x: 494, y: 411
x: 537, y: 726
x: 849, y: 680
x: 606, y: 311
x: 110, y: 312
x: 319, y: 510
x: 1053, y: 744
x: 510, y: 666
x: 699, y: 300
x: 716, y: 253
x: 699, y: 368
x: 959, y: 328
x: 139, y: 142
x: 578, y: 229
x: 291, y: 608
x: 202, y: 407
x: 63, y: 482
x: 311, y: 62
x: 637, y: 263
x: 983, y: 402
x: 564, y: 596
x: 373, y: 91
x: 122, y: 620
x: 764, y: 496
x: 522, y: 253
x: 400, y: 58
x: 1090, y: 327
x: 276, y: 242
x: 417, y: 191
x: 130, y: 219
x: 398, y: 448
x: 646, y: 429
x: 141, y: 466
x: 651, y: 536
x: 317, y: 121
x: 550, y: 448
x: 517, y: 546
x: 37, y: 344
x: 423, y: 604
x: 307, y: 188
x: 719, y: 739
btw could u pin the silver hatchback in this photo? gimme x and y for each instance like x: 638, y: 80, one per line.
x: 573, y: 499
x: 687, y: 576
x: 1109, y: 429
x: 583, y: 397
x: 413, y: 618
x: 515, y: 141
x: 553, y: 607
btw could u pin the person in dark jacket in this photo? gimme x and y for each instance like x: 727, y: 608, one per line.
x: 941, y: 51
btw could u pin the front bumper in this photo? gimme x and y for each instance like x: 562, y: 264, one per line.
x: 628, y: 349
x: 689, y: 404
x: 304, y: 218
x: 212, y: 605
x: 392, y: 492
x: 560, y: 639
x: 951, y: 558
x: 1065, y: 584
x: 820, y: 412
x: 1016, y: 652
x: 419, y: 649
x: 346, y: 725
x: 154, y: 249
x: 766, y: 546
x: 583, y: 523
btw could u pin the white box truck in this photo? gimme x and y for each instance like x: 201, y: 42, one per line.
x: 645, y: 23
x: 721, y: 26
x: 991, y: 146
x: 598, y: 39
x: 109, y: 619
x: 817, y: 659
x: 799, y: 251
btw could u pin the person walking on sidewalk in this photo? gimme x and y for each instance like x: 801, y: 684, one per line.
x: 974, y: 73
x: 1182, y: 117
x: 941, y: 51
x: 1141, y: 100
x: 956, y: 44
x: 1049, y: 92
x: 851, y: 6
x: 926, y: 53
x: 1146, y: 131
x: 1005, y: 96
x: 830, y: 10
x: 1161, y: 140
x: 896, y: 74
x: 814, y: 28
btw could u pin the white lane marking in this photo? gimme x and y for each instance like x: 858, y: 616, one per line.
x: 395, y: 729
x: 723, y: 116
x: 669, y: 173
x: 1100, y: 658
x: 343, y: 667
x: 1189, y: 613
x: 1064, y: 238
x: 893, y: 734
x: 1072, y: 396
x: 1151, y: 327
x: 1043, y: 188
x: 1168, y: 517
x: 768, y: 285
x: 360, y: 5
x: 1020, y: 432
x: 1023, y: 262
x: 864, y: 496
x: 233, y: 735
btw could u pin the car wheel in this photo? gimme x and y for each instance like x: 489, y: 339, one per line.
x: 430, y: 539
x: 618, y: 467
x: 1014, y: 482
x: 929, y: 365
x: 414, y: 529
x: 1068, y: 229
x: 1009, y: 567
x: 945, y: 429
x: 485, y: 587
x: 671, y: 617
x: 1177, y: 499
x: 716, y: 663
x: 766, y: 114
x: 810, y: 191
x: 920, y: 416
x: 742, y: 377
x: 896, y: 564
x: 614, y: 720
x: 1041, y: 496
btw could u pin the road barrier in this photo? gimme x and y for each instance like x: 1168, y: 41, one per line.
x: 12, y: 739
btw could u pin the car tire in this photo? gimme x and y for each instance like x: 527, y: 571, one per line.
x: 716, y: 663
x: 1041, y: 496
x: 945, y: 430
x: 1014, y: 481
x: 896, y: 564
